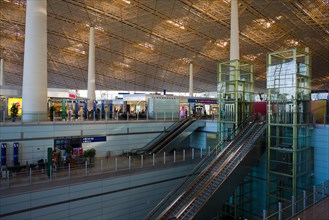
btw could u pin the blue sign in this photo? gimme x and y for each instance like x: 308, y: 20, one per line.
x: 3, y: 154
x: 16, y: 145
x: 93, y: 139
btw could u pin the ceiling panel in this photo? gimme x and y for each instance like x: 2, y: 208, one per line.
x: 148, y: 44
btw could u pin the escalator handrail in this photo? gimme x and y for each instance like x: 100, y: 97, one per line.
x: 170, y: 137
x: 225, y: 167
x: 210, y: 166
x: 158, y: 138
x: 200, y: 164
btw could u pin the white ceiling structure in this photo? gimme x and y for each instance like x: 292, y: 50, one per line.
x: 147, y: 45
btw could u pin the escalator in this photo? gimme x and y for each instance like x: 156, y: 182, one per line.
x: 216, y: 177
x: 161, y: 142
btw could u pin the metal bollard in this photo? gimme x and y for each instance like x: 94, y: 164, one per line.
x: 174, y: 156
x: 142, y: 161
x: 116, y: 164
x: 164, y: 157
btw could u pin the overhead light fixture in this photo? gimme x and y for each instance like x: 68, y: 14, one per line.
x: 250, y: 57
x: 126, y: 1
x: 292, y: 42
x: 147, y: 45
x: 185, y: 60
x: 264, y: 23
x: 278, y: 17
x: 177, y: 23
x: 97, y: 27
x: 77, y: 48
x: 221, y: 43
x: 17, y: 2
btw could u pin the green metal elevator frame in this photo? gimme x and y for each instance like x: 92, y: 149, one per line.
x: 288, y: 119
x: 236, y: 88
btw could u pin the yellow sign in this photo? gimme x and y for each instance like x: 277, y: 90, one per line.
x: 18, y: 102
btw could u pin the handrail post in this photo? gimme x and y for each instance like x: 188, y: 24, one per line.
x: 314, y: 193
x: 50, y: 173
x: 280, y: 211
x: 192, y: 153
x: 129, y: 162
x: 116, y: 164
x: 153, y: 159
x: 69, y: 171
x: 183, y: 154
x: 293, y: 205
x: 304, y: 199
x: 264, y: 214
x: 174, y: 156
x: 30, y: 175
x: 164, y: 157
x: 86, y: 168
x: 142, y: 161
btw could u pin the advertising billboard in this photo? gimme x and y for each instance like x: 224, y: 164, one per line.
x: 18, y: 102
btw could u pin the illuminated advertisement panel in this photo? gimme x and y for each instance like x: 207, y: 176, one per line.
x: 18, y: 102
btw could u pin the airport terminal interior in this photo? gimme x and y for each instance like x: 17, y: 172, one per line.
x: 164, y: 109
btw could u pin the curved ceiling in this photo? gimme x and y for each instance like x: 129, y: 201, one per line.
x: 147, y: 45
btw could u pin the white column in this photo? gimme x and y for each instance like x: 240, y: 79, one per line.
x: 35, y: 82
x: 234, y: 43
x: 1, y: 72
x: 191, y: 81
x: 91, y: 70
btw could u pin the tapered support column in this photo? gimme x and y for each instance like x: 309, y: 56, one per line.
x: 191, y: 81
x: 234, y: 43
x: 35, y: 62
x: 91, y: 70
x: 1, y: 72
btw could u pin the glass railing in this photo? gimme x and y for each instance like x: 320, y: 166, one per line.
x: 78, y: 166
x: 308, y: 198
x: 56, y: 117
